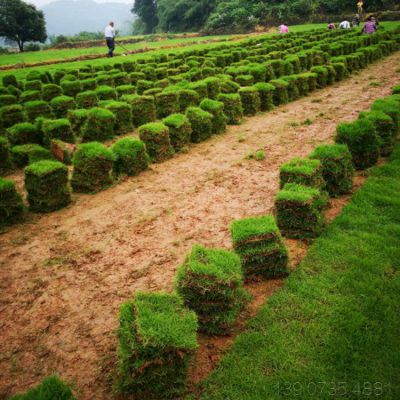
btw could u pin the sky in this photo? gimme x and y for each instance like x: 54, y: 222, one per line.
x: 40, y: 3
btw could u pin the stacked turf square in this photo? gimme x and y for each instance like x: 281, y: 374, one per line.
x: 11, y: 204
x: 299, y: 211
x: 157, y: 337
x: 259, y: 244
x: 210, y: 282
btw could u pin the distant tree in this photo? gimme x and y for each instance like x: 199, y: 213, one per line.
x: 21, y: 22
x: 146, y: 10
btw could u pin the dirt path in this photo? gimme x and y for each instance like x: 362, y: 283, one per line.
x: 64, y: 275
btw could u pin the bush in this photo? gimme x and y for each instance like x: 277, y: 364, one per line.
x: 11, y: 204
x: 337, y: 168
x: 47, y: 185
x: 187, y: 98
x: 7, y: 100
x: 201, y: 123
x: 232, y: 107
x: 77, y: 118
x: 23, y: 133
x: 130, y: 156
x: 61, y: 104
x: 123, y: 116
x: 51, y: 388
x: 210, y: 282
x: 5, y: 160
x: 93, y: 164
x: 37, y: 108
x: 259, y: 244
x: 303, y: 171
x: 106, y: 93
x: 87, y: 99
x: 143, y: 108
x: 216, y: 109
x: 51, y: 90
x: 57, y: 129
x: 155, y: 135
x: 167, y: 103
x: 71, y: 88
x: 179, y: 130
x: 250, y: 99
x: 213, y: 87
x: 265, y: 91
x: 298, y: 211
x: 280, y: 94
x: 362, y: 141
x: 25, y: 154
x: 157, y: 337
x: 385, y: 130
x: 99, y: 125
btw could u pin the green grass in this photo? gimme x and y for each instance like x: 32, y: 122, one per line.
x: 332, y: 331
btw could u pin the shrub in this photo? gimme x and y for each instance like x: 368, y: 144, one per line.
x: 23, y: 133
x: 130, y: 156
x: 250, y: 98
x: 37, y: 108
x: 77, y: 118
x: 99, y: 125
x: 280, y: 94
x: 200, y: 87
x: 187, y: 98
x: 201, y: 123
x: 11, y: 204
x: 106, y: 93
x: 213, y: 87
x: 391, y: 108
x: 87, y: 99
x: 71, y: 88
x: 7, y: 100
x: 232, y: 107
x: 166, y: 103
x: 157, y: 337
x: 216, y: 109
x: 30, y: 95
x: 9, y: 79
x: 51, y: 90
x: 259, y: 244
x: 210, y: 282
x: 51, y: 388
x: 143, y: 85
x: 123, y: 116
x: 61, y: 104
x: 362, y: 141
x: 298, y: 211
x: 337, y: 168
x: 25, y: 154
x: 385, y: 130
x: 303, y: 171
x: 57, y: 129
x: 265, y: 91
x: 47, y: 185
x: 155, y: 135
x: 179, y: 130
x: 143, y: 108
x: 93, y: 164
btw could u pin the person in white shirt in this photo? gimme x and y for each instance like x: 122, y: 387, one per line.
x: 109, y: 33
x: 344, y: 25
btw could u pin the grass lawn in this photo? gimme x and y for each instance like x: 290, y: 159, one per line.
x: 333, y: 330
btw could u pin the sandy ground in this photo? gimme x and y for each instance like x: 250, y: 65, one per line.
x: 64, y: 275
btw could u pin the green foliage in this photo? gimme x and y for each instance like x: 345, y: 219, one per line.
x: 47, y: 185
x: 25, y: 154
x: 155, y: 135
x: 210, y: 283
x: 99, y: 125
x: 93, y: 164
x: 157, y: 337
x: 33, y: 85
x: 9, y: 79
x: 390, y: 107
x: 130, y: 156
x: 11, y: 204
x: 57, y: 129
x: 179, y: 130
x: 61, y: 104
x: 250, y: 99
x: 201, y: 123
x: 395, y: 89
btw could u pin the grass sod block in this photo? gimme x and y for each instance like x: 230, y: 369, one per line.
x: 280, y: 94
x: 265, y: 91
x: 25, y: 154
x: 187, y: 98
x: 232, y: 107
x: 155, y: 135
x: 143, y: 109
x: 258, y: 242
x: 37, y: 108
x: 87, y: 99
x: 130, y: 156
x: 51, y: 388
x: 106, y: 93
x: 61, y: 104
x: 157, y: 338
x: 47, y: 185
x: 5, y: 158
x: 57, y: 129
x: 11, y: 115
x: 299, y: 211
x: 210, y: 282
x: 216, y: 109
x: 396, y: 89
x: 250, y: 99
x: 123, y: 116
x: 166, y: 103
x: 30, y: 95
x: 51, y: 90
x: 99, y: 125
x: 93, y: 164
x: 11, y: 204
x: 213, y: 87
x: 77, y: 118
x: 361, y: 139
x: 337, y: 168
x: 179, y: 130
x: 201, y: 123
x: 390, y: 107
x: 23, y: 133
x: 7, y: 100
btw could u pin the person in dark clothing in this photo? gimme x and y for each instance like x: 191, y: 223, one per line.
x: 109, y: 33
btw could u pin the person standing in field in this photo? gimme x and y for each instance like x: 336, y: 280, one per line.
x: 369, y: 26
x: 360, y: 5
x: 344, y: 24
x: 283, y: 28
x: 109, y: 33
x: 356, y: 20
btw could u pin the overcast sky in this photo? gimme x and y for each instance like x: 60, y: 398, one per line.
x: 43, y: 2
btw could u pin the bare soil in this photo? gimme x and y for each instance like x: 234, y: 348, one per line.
x: 64, y: 275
